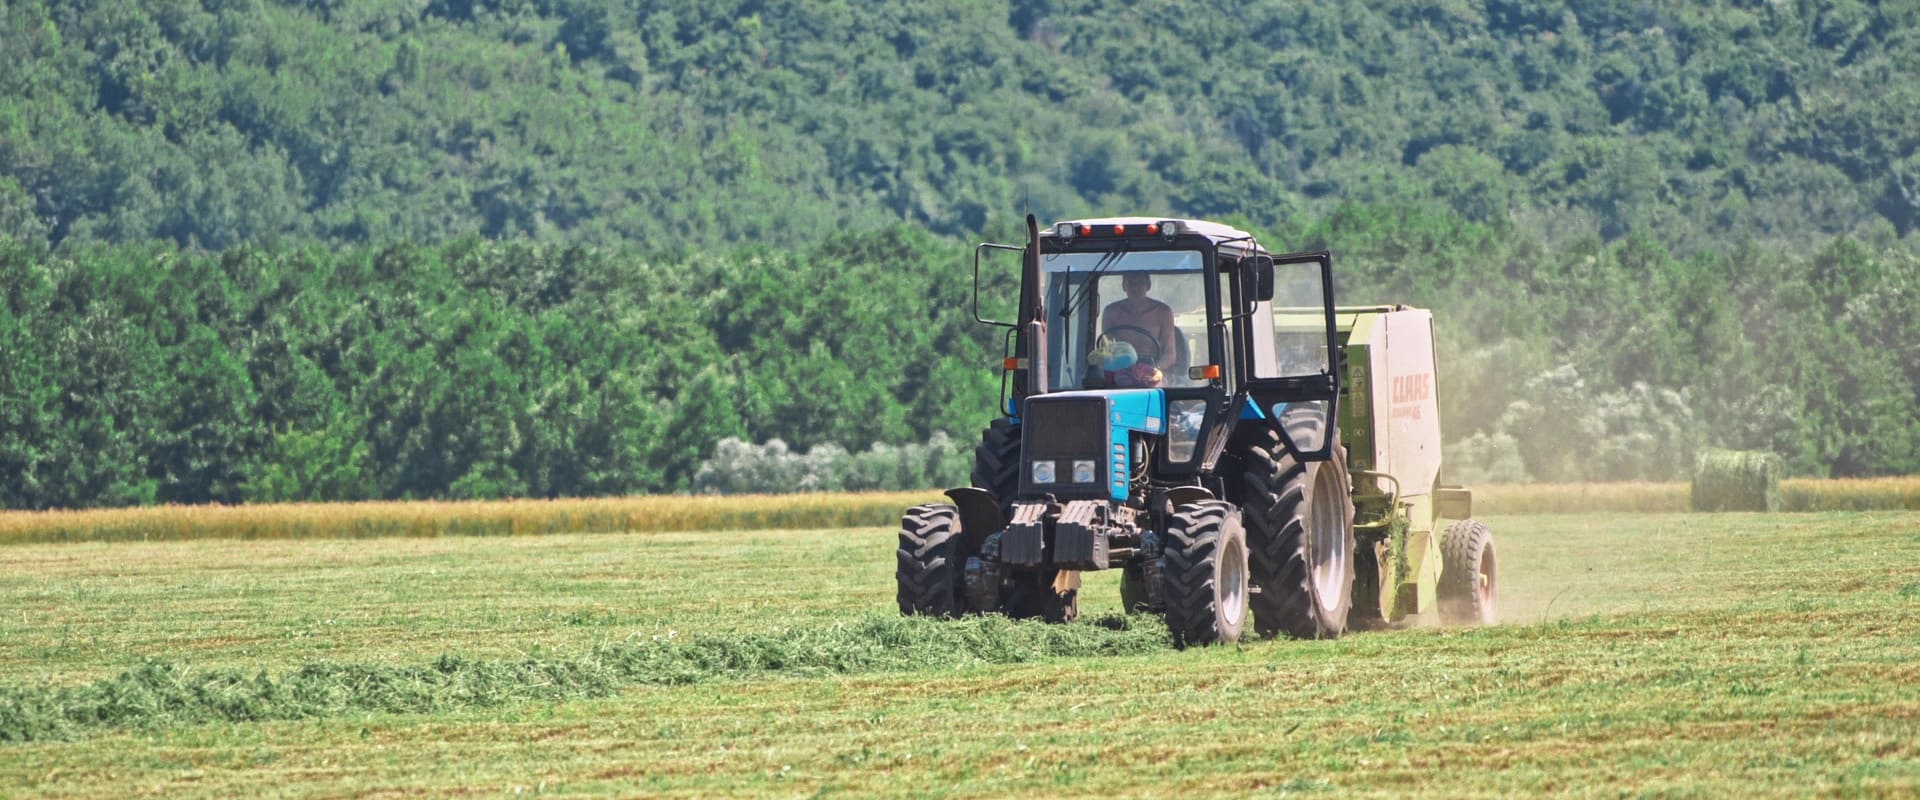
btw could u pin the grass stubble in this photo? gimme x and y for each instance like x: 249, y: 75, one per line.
x: 1665, y: 654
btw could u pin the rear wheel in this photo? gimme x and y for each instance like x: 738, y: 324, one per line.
x: 1300, y: 529
x: 1469, y: 574
x: 928, y: 577
x: 1205, y: 559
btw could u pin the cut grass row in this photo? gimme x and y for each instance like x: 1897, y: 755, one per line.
x: 763, y: 512
x: 160, y: 694
x: 1683, y: 654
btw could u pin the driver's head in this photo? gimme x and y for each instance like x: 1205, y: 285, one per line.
x: 1136, y: 284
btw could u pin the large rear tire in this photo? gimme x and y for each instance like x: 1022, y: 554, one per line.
x: 1205, y: 558
x: 1300, y: 530
x: 928, y: 578
x: 1469, y: 575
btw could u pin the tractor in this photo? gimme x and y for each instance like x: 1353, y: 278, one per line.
x: 1181, y: 405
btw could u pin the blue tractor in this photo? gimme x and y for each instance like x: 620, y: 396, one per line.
x: 1169, y: 410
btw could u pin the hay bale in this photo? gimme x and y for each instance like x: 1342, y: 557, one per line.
x: 1736, y: 480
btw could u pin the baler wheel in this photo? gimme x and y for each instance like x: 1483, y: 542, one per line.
x: 1205, y: 559
x: 1469, y: 574
x: 930, y: 573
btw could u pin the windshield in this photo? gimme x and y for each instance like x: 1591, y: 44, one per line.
x: 1125, y: 319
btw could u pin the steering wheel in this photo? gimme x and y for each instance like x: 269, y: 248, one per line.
x: 1143, y: 334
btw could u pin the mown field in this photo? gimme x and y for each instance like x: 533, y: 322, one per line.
x: 1665, y: 654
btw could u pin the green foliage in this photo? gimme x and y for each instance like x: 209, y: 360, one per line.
x: 147, y: 373
x: 476, y: 248
x: 474, y: 369
x: 605, y: 121
x: 325, y: 464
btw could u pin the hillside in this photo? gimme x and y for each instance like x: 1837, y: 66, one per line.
x: 603, y: 121
x: 336, y: 250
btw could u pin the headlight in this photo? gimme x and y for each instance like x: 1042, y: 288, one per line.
x: 1083, y: 472
x: 1043, y: 472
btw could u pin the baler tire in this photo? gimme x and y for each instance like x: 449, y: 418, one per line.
x: 1205, y: 558
x: 1279, y: 492
x: 1469, y: 574
x: 929, y: 578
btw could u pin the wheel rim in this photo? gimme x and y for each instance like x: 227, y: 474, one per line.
x: 1331, y: 556
x: 1232, y: 583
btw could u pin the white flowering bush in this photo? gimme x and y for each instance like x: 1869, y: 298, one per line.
x: 741, y: 467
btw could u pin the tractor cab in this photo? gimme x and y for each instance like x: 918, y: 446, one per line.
x: 1187, y: 308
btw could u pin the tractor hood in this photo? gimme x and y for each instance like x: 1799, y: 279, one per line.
x: 1077, y: 444
x: 1143, y: 410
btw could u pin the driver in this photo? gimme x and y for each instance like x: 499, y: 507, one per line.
x: 1139, y: 317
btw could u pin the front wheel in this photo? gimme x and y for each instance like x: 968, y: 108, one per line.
x: 928, y: 576
x: 1469, y: 574
x: 1204, y: 559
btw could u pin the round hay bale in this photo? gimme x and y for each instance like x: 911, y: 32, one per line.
x: 1736, y: 480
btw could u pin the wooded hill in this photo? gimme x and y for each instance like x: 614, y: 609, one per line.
x: 671, y: 122
x: 332, y: 249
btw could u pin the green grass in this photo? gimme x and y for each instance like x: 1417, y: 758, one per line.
x: 1676, y: 655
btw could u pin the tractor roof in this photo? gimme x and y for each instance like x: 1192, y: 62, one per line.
x: 1212, y: 230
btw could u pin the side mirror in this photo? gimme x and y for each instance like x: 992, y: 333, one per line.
x: 1257, y: 275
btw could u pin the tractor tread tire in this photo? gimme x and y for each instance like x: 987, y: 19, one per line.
x: 1465, y: 547
x: 1277, y: 492
x: 1200, y: 537
x: 996, y: 462
x: 929, y: 577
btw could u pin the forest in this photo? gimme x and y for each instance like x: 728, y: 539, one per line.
x: 344, y: 249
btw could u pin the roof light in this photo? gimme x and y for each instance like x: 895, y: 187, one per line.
x: 1153, y: 229
x: 1086, y: 230
x: 1064, y: 230
x: 1168, y: 228
x: 1119, y: 230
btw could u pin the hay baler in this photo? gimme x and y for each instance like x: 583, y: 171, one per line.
x: 1183, y: 406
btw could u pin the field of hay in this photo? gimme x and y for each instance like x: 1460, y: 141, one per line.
x: 1655, y: 653
x: 763, y: 512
